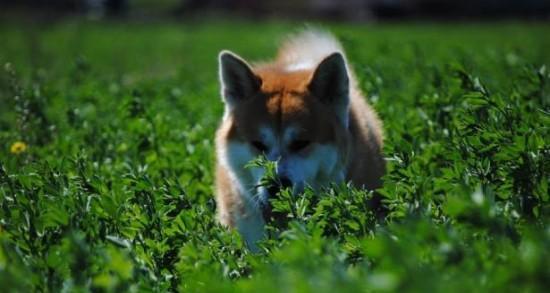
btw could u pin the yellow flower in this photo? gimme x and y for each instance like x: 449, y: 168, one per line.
x: 18, y: 147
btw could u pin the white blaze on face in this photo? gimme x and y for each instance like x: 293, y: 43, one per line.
x: 316, y: 168
x: 270, y: 139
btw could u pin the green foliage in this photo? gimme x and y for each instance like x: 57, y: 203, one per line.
x: 113, y: 191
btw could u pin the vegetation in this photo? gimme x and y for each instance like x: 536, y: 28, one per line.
x: 106, y: 159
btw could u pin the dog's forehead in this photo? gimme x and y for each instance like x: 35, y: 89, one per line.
x: 283, y: 81
x: 286, y: 91
x: 287, y: 106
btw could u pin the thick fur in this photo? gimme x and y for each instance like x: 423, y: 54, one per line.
x: 305, y: 112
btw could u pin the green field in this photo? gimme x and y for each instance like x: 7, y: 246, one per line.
x: 106, y: 163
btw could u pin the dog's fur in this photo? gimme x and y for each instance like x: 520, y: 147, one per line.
x: 305, y: 112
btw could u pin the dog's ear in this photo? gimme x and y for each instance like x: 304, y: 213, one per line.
x: 238, y: 81
x: 330, y: 84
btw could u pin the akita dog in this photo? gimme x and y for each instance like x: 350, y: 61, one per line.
x: 303, y: 111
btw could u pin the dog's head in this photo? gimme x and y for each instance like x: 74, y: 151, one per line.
x: 297, y: 119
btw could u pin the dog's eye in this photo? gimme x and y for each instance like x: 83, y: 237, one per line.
x: 258, y: 145
x: 298, y: 145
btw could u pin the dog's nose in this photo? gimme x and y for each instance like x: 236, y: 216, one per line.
x: 285, y: 182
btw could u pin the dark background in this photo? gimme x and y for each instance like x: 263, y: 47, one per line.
x: 349, y: 10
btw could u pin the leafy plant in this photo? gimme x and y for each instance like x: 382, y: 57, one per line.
x: 106, y: 166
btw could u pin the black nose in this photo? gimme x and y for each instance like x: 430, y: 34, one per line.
x: 285, y: 182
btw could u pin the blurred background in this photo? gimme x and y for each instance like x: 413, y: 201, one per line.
x: 337, y: 10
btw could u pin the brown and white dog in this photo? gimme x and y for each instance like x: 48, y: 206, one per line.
x: 303, y: 111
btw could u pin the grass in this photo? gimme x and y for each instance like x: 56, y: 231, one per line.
x: 106, y: 156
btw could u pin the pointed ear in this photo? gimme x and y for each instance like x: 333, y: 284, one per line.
x: 330, y: 84
x: 238, y: 81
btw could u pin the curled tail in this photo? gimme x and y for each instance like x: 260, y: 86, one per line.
x: 306, y: 49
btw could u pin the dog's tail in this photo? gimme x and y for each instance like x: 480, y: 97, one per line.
x: 307, y: 49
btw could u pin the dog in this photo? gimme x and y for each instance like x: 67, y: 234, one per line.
x: 303, y: 111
